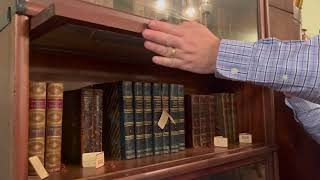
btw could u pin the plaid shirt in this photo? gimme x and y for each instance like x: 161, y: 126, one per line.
x: 287, y: 66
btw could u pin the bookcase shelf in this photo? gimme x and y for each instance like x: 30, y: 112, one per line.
x: 170, y: 165
x: 80, y: 44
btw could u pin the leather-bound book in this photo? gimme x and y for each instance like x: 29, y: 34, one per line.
x: 156, y: 113
x: 174, y: 141
x: 204, y: 120
x: 37, y: 120
x: 165, y: 106
x: 181, y: 116
x: 212, y: 118
x: 82, y: 123
x: 192, y: 121
x: 54, y: 127
x: 234, y: 116
x: 220, y: 116
x: 118, y: 120
x: 147, y: 120
x: 138, y: 119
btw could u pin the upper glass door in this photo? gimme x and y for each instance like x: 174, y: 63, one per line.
x: 229, y: 19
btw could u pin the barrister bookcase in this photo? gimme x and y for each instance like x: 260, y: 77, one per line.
x: 85, y: 42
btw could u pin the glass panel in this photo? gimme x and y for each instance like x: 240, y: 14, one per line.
x: 250, y: 172
x: 230, y: 19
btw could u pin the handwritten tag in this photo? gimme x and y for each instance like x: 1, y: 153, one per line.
x: 220, y: 141
x: 164, y: 119
x: 94, y: 159
x: 245, y: 138
x: 38, y: 167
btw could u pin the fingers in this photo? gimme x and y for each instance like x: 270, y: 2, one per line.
x: 165, y: 27
x: 162, y: 38
x: 162, y: 50
x: 167, y: 62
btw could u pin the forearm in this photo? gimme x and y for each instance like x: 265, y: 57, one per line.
x: 287, y: 66
x: 307, y: 114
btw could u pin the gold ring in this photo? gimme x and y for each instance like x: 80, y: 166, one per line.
x: 171, y: 51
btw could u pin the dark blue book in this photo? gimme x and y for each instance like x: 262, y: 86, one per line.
x: 165, y: 106
x: 156, y: 113
x: 174, y: 141
x: 181, y: 116
x: 138, y: 119
x: 147, y: 120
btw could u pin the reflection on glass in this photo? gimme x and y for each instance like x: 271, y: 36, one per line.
x: 229, y: 19
x: 249, y: 172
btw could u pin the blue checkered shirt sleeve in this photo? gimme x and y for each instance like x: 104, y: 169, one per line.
x: 287, y: 66
x: 307, y: 115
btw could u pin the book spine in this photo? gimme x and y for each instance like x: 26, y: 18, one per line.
x: 174, y: 141
x: 181, y: 125
x: 113, y: 139
x: 37, y: 119
x: 71, y: 127
x: 195, y: 121
x: 147, y: 119
x: 138, y: 119
x: 156, y: 113
x: 212, y: 118
x: 54, y: 127
x: 165, y: 106
x: 204, y: 120
x: 127, y: 121
x: 220, y: 115
x: 234, y: 117
x: 228, y: 116
x: 97, y: 111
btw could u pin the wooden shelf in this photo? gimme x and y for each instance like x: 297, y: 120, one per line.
x: 169, y: 165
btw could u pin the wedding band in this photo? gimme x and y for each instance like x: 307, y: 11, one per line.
x: 171, y: 51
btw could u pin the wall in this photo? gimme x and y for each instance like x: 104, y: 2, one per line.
x: 310, y: 16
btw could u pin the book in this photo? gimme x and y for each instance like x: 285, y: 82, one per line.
x: 138, y: 119
x: 54, y: 127
x: 192, y: 121
x: 156, y: 113
x: 174, y: 141
x: 165, y: 107
x: 37, y: 119
x: 204, y: 120
x: 220, y: 116
x: 147, y: 119
x: 82, y: 123
x: 212, y: 118
x: 119, y: 129
x: 181, y: 116
x: 234, y: 117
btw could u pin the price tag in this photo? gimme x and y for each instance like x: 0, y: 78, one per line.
x: 38, y: 167
x: 220, y: 141
x: 164, y: 119
x: 94, y: 159
x: 245, y: 138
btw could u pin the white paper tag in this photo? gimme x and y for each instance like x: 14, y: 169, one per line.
x: 94, y: 159
x: 38, y: 167
x: 245, y: 138
x: 220, y: 141
x: 164, y: 119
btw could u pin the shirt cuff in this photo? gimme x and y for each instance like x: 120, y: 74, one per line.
x: 233, y: 59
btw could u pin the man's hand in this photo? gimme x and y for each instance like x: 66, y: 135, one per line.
x: 189, y: 46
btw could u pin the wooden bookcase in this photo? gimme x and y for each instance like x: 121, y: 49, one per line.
x: 80, y: 43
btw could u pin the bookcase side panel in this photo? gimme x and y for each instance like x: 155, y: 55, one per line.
x: 14, y: 49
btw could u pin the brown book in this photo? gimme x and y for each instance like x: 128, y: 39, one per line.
x: 37, y: 120
x: 234, y: 118
x: 54, y: 127
x: 192, y: 121
x: 204, y: 120
x: 82, y: 123
x: 212, y: 119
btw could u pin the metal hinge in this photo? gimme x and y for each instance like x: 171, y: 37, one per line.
x: 17, y: 6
